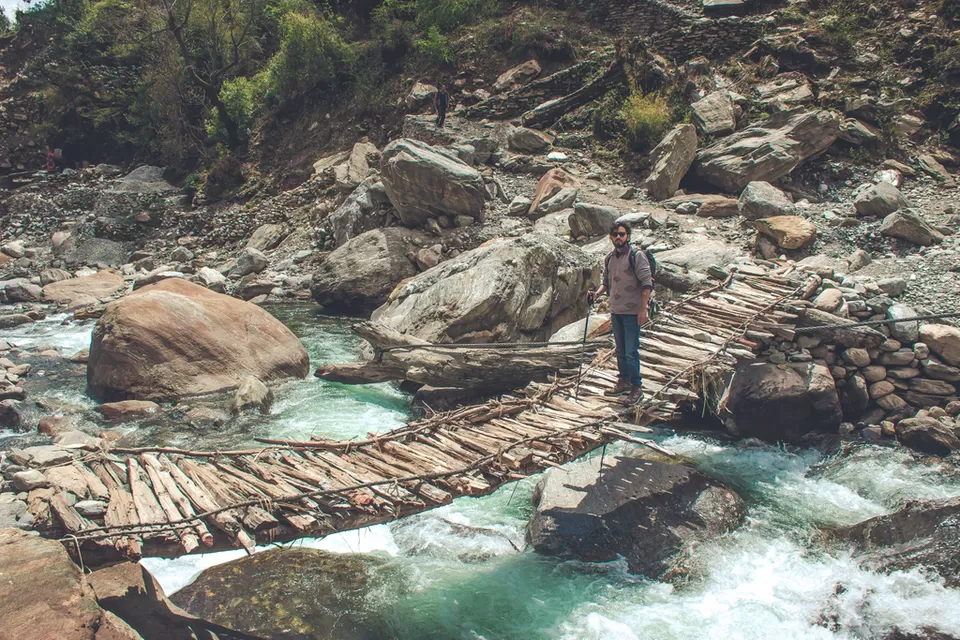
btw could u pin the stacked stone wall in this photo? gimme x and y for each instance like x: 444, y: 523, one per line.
x: 677, y: 29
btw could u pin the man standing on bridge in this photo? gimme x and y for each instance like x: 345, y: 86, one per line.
x: 627, y: 278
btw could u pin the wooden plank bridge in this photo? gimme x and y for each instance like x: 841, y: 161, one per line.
x: 170, y: 502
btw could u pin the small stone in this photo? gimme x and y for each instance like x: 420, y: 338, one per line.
x: 891, y: 402
x: 128, y: 409
x: 880, y: 389
x: 856, y: 356
x: 874, y: 373
x: 893, y: 287
x: 902, y: 373
x: 91, y: 508
x: 953, y: 408
x: 29, y: 480
x: 847, y: 429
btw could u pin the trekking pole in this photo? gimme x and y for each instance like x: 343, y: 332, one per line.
x: 586, y: 330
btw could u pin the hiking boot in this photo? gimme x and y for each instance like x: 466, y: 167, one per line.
x: 622, y: 387
x: 632, y: 398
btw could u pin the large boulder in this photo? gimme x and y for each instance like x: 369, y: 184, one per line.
x: 266, y: 237
x: 550, y: 185
x: 359, y: 212
x: 518, y: 75
x: 358, y: 166
x: 782, y: 402
x: 127, y: 591
x: 927, y: 435
x: 768, y: 150
x: 88, y: 289
x: 700, y: 255
x: 44, y: 594
x: 359, y: 275
x: 943, y: 340
x: 300, y: 593
x: 714, y: 115
x: 880, y: 199
x: 671, y: 159
x: 505, y: 290
x: 789, y: 232
x: 175, y: 339
x: 420, y: 96
x: 650, y: 513
x: 763, y: 200
x: 909, y: 225
x: 590, y: 220
x: 526, y: 140
x: 923, y: 533
x: 423, y: 182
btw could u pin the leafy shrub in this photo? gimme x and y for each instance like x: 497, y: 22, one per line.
x: 243, y: 99
x: 434, y: 47
x: 947, y: 63
x: 949, y: 10
x: 531, y: 35
x: 646, y: 119
x: 312, y: 54
x: 108, y: 28
x: 608, y: 120
x: 445, y: 15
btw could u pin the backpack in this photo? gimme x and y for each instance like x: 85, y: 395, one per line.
x: 654, y: 267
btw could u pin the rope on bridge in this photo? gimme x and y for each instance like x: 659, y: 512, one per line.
x: 872, y: 323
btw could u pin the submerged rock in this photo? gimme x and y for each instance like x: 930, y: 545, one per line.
x: 649, y: 512
x: 924, y: 533
x: 295, y: 593
x: 176, y: 339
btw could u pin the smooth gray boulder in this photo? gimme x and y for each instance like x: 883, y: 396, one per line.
x: 781, y: 403
x: 250, y: 261
x: 880, y: 199
x: 526, y: 140
x: 266, y: 237
x: 671, y: 159
x: 763, y: 200
x: 714, y: 115
x: 358, y: 276
x: 509, y: 289
x: 422, y: 182
x: 909, y: 225
x: 360, y: 212
x: 590, y: 220
x: 700, y: 255
x: 651, y: 513
x: 767, y: 150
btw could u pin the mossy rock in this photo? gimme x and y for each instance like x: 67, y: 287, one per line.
x: 297, y: 593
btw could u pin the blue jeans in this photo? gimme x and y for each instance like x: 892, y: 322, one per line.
x: 626, y: 333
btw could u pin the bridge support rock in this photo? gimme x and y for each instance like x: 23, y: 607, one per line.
x: 648, y: 512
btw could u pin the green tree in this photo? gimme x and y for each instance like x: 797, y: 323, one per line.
x: 214, y: 39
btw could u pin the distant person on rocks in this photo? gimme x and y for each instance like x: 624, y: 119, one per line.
x: 440, y: 104
x: 51, y: 161
x: 627, y: 278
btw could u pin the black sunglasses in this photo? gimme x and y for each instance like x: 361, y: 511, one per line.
x: 622, y: 234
